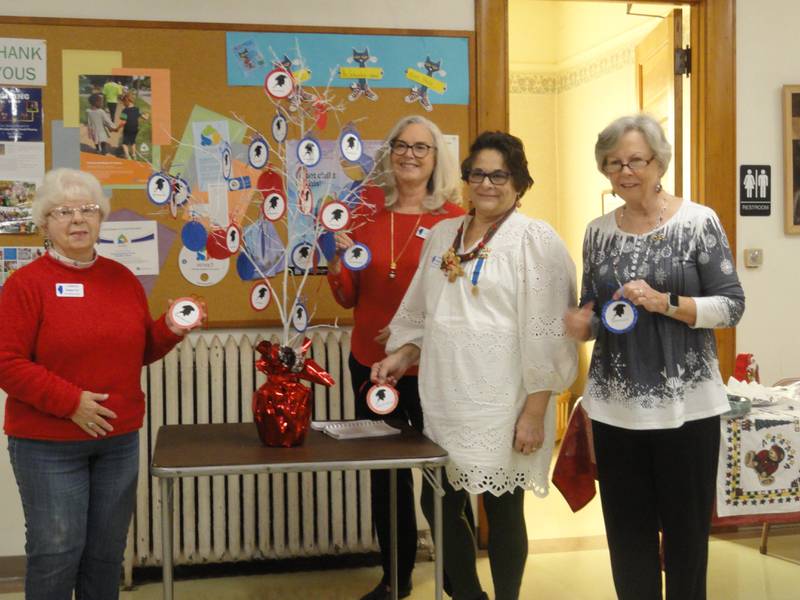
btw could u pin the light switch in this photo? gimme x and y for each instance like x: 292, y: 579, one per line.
x: 753, y: 257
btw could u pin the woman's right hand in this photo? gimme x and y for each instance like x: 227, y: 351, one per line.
x: 91, y: 415
x: 343, y: 242
x: 578, y: 322
x: 393, y: 367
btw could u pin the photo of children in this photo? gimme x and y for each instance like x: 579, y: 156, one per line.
x: 115, y: 112
x: 15, y: 207
x: 116, y: 127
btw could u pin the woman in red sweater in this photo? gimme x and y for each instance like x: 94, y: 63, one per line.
x: 420, y: 182
x: 74, y: 334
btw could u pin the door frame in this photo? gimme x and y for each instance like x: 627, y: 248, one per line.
x: 713, y: 107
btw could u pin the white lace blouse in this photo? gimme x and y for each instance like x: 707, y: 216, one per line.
x: 483, y: 353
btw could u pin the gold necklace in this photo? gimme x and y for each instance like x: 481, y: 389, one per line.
x: 393, y: 258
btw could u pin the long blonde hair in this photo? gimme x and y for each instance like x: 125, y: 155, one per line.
x: 444, y: 184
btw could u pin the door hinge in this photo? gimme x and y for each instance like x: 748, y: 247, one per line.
x: 683, y: 61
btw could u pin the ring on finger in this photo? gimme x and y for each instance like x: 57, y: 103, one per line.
x: 90, y: 424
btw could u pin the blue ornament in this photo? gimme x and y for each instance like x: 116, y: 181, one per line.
x: 245, y: 267
x: 194, y: 236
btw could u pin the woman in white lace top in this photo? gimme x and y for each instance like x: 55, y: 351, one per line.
x: 484, y: 317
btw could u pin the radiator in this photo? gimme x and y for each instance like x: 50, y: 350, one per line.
x: 245, y: 517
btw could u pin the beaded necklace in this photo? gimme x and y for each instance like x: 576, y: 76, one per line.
x: 452, y: 261
x: 637, y: 245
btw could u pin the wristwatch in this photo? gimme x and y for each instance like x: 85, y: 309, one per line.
x: 672, y: 304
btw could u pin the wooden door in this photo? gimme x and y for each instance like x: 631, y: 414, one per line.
x: 660, y: 92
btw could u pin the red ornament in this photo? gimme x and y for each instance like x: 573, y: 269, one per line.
x: 216, y: 245
x: 282, y: 407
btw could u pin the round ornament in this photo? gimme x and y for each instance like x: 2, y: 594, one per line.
x: 382, y: 399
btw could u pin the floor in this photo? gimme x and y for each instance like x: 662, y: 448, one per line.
x: 568, y: 561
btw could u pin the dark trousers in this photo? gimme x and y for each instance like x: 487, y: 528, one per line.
x: 508, y: 541
x: 409, y: 411
x: 651, y: 480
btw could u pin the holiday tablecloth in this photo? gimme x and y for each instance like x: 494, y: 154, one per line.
x: 759, y: 462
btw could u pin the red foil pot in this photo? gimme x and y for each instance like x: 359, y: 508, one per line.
x: 282, y: 411
x: 282, y: 406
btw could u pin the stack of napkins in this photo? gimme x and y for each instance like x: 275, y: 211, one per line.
x: 761, y: 395
x: 350, y: 430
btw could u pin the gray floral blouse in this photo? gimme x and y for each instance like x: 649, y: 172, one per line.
x: 662, y: 372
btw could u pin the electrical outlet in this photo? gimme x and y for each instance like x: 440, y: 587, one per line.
x: 753, y: 257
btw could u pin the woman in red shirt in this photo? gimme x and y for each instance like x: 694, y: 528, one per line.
x: 420, y: 182
x: 74, y: 334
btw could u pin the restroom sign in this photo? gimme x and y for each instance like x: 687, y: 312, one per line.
x: 755, y: 190
x: 23, y: 61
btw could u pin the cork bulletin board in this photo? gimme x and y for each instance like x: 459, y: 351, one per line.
x: 200, y: 86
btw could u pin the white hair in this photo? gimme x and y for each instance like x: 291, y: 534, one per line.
x: 65, y: 185
x: 645, y: 124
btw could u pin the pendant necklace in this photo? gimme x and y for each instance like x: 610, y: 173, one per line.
x: 393, y: 258
x: 452, y: 261
x: 620, y: 316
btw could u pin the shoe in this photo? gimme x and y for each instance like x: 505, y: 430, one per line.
x: 384, y: 592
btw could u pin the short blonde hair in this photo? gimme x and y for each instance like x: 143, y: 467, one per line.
x: 643, y: 123
x: 444, y: 184
x: 65, y: 185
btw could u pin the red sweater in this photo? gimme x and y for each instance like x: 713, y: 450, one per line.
x: 370, y: 292
x: 54, y: 347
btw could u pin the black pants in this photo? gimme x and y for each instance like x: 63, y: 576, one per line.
x: 409, y: 411
x: 651, y: 480
x: 508, y: 541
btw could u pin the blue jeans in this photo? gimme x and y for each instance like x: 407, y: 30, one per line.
x: 78, y: 498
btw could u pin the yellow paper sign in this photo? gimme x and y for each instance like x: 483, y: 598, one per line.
x: 432, y: 84
x: 301, y: 75
x: 360, y: 73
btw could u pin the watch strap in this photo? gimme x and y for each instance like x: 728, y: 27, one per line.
x: 672, y: 304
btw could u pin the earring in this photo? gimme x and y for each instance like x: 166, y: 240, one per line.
x: 47, y: 244
x: 658, y: 187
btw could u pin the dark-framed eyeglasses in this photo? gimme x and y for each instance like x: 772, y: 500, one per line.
x: 636, y: 164
x: 418, y: 149
x: 66, y: 213
x: 476, y: 176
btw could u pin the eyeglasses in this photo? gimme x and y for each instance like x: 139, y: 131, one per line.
x: 65, y: 213
x: 419, y: 150
x: 477, y: 176
x: 637, y: 164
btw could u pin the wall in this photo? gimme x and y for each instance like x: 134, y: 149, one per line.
x: 767, y: 47
x: 396, y: 14
x: 566, y: 85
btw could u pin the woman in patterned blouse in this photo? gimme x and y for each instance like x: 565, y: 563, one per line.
x: 654, y: 392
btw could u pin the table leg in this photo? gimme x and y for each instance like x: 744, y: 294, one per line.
x: 393, y: 528
x: 166, y: 535
x: 437, y: 533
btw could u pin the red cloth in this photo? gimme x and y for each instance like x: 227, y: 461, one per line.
x: 373, y: 296
x: 575, y: 470
x: 52, y: 348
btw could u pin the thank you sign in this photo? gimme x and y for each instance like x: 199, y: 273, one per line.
x: 23, y: 61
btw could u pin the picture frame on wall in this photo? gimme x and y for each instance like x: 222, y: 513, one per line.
x: 791, y: 158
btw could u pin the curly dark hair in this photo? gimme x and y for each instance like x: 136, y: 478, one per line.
x: 513, y: 151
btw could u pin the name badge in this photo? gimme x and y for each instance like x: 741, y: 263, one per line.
x: 422, y: 232
x: 69, y: 290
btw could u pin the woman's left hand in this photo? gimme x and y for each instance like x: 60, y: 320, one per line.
x: 641, y: 294
x: 528, y: 433
x: 383, y: 336
x: 174, y: 327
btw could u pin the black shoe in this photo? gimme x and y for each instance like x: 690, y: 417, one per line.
x: 384, y: 592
